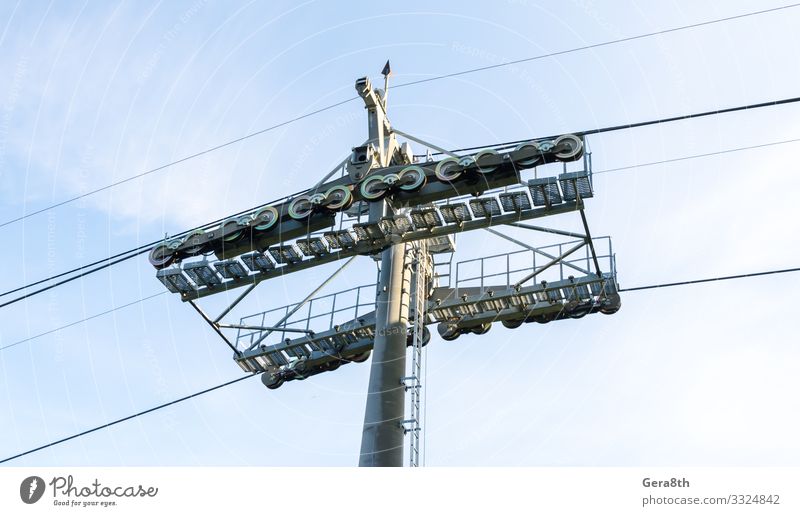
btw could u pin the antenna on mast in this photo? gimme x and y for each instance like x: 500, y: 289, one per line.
x: 386, y: 72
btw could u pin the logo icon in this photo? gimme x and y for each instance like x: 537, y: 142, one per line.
x: 31, y: 489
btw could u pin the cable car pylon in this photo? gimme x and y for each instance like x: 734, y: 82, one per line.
x: 403, y: 211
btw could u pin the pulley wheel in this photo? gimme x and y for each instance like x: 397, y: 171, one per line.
x: 448, y: 170
x: 300, y: 207
x: 532, y: 152
x: 196, y: 246
x: 373, y: 188
x: 412, y: 178
x: 361, y: 357
x: 568, y: 147
x: 161, y: 256
x: 232, y: 230
x: 270, y: 382
x: 265, y: 218
x: 483, y: 161
x: 338, y: 198
x: 482, y: 328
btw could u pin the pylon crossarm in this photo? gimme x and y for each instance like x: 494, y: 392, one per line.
x: 421, y: 183
x: 377, y: 236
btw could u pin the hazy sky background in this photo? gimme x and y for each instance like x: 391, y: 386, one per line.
x: 95, y: 92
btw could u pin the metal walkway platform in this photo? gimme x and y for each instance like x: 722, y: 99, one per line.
x: 534, y: 285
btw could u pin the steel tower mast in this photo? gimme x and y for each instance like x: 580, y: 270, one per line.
x: 382, y: 436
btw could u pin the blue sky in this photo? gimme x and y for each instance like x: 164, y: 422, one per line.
x: 95, y: 92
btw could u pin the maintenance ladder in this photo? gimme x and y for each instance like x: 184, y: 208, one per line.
x: 413, y: 425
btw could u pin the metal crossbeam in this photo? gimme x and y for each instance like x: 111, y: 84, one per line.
x: 553, y: 261
x: 375, y: 245
x: 537, y: 250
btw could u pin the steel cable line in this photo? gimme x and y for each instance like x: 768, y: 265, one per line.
x: 613, y: 128
x: 86, y: 266
x: 595, y: 45
x: 127, y: 418
x: 72, y: 278
x: 708, y: 280
x: 126, y: 254
x: 89, y: 318
x: 694, y: 156
x: 204, y: 391
x: 635, y: 125
x: 176, y: 162
x: 401, y: 85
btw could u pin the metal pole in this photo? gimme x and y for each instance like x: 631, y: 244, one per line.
x: 591, y: 244
x: 382, y: 435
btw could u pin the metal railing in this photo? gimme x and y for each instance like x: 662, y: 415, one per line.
x: 510, y: 267
x: 319, y: 314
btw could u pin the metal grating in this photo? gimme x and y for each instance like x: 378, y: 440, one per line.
x: 485, y: 207
x: 545, y: 191
x: 455, y: 213
x: 515, y: 201
x: 574, y: 184
x: 285, y: 254
x: 257, y: 261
